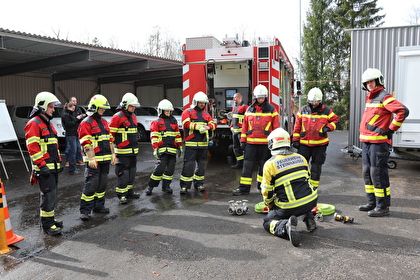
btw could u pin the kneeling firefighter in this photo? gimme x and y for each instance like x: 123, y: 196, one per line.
x: 286, y: 190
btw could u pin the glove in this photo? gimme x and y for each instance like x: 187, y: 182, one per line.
x: 388, y: 133
x: 114, y: 158
x: 326, y: 129
x: 204, y: 129
x: 180, y: 151
x: 44, y: 171
x: 91, y: 157
x: 243, y: 146
x: 155, y: 154
x: 296, y: 145
x: 270, y: 205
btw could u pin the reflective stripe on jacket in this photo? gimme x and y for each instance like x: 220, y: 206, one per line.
x: 238, y: 112
x: 165, y: 135
x: 42, y: 144
x: 193, y: 119
x: 285, y: 180
x: 259, y: 121
x: 378, y: 116
x: 98, y: 136
x: 310, y: 123
x: 124, y: 132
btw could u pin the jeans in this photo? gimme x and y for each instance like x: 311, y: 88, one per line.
x: 71, y: 149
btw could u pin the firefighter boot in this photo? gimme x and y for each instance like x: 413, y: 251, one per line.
x: 132, y: 194
x: 238, y: 164
x: 310, y: 224
x: 149, y: 190
x: 379, y: 212
x: 366, y: 207
x: 294, y: 235
x: 58, y: 223
x: 166, y: 187
x: 122, y: 200
x: 52, y: 230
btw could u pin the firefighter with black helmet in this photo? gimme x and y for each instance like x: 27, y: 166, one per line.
x: 97, y: 143
x: 310, y: 134
x: 123, y: 127
x: 260, y: 119
x: 42, y: 145
x: 285, y: 189
x: 383, y: 115
x: 197, y: 123
x: 166, y: 143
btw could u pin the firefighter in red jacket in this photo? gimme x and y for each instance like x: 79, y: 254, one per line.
x: 166, y: 143
x: 42, y: 145
x: 123, y: 127
x: 97, y: 143
x: 376, y: 129
x: 310, y: 135
x: 285, y: 189
x: 197, y: 123
x: 260, y: 119
x: 238, y: 112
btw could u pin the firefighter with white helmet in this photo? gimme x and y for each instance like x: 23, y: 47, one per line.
x: 42, y: 145
x: 97, y: 143
x: 259, y: 120
x: 383, y: 115
x: 310, y: 134
x: 285, y: 189
x: 166, y: 143
x: 123, y: 127
x: 196, y: 122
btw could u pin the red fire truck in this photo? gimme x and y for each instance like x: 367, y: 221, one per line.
x: 220, y: 69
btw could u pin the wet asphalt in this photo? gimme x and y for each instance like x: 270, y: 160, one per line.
x: 194, y: 237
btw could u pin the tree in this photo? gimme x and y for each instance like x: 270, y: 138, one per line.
x: 326, y: 48
x: 161, y: 45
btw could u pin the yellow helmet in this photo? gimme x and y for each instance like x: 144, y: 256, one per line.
x: 372, y: 74
x: 96, y: 102
x: 165, y: 105
x: 278, y: 138
x: 44, y: 98
x: 129, y: 99
x: 260, y: 91
x: 200, y: 97
x: 315, y: 94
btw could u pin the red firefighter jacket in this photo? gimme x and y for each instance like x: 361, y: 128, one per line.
x: 378, y: 116
x: 42, y: 144
x: 310, y: 123
x: 238, y: 117
x: 194, y: 119
x: 165, y: 135
x: 259, y: 121
x: 123, y: 127
x: 94, y: 131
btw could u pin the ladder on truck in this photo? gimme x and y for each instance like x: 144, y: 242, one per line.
x: 263, y: 64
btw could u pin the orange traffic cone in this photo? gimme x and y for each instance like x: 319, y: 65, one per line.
x: 11, y: 237
x: 3, y: 240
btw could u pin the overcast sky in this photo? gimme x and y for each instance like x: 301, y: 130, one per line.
x: 129, y: 22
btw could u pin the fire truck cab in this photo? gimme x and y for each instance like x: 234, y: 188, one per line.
x: 222, y: 68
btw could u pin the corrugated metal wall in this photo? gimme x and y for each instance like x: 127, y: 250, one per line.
x: 374, y: 48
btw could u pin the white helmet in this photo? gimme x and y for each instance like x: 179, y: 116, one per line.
x: 315, y: 94
x: 260, y: 91
x: 129, y: 99
x: 44, y: 98
x: 200, y: 97
x: 165, y: 105
x: 278, y: 138
x: 96, y: 102
x: 372, y: 74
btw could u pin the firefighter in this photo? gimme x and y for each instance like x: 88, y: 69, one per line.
x: 238, y: 112
x: 197, y: 123
x: 376, y: 129
x: 123, y: 127
x: 310, y: 135
x: 260, y: 119
x: 97, y: 143
x: 285, y: 189
x: 42, y: 145
x: 166, y: 143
